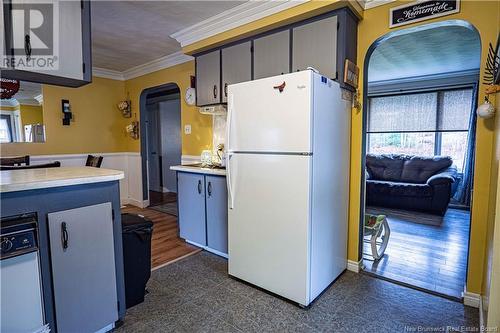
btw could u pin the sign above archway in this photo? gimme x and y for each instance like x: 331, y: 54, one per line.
x: 421, y: 11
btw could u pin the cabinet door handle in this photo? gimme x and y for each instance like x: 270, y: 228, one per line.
x: 64, y: 236
x: 215, y: 91
x: 225, y: 89
x: 27, y: 47
x: 209, y: 189
x: 199, y: 186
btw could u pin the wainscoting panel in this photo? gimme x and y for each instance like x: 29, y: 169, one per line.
x: 128, y: 162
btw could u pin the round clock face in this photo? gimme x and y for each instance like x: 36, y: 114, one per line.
x: 190, y: 96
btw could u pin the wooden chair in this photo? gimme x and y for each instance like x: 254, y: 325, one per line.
x: 55, y: 164
x: 19, y: 160
x: 94, y: 161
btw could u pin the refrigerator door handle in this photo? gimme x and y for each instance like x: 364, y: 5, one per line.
x: 229, y: 182
x: 228, y: 123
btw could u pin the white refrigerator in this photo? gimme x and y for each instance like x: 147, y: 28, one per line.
x: 288, y: 150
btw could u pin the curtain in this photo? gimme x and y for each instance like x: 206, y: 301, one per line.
x: 464, y: 191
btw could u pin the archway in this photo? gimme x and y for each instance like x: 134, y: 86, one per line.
x: 396, y: 73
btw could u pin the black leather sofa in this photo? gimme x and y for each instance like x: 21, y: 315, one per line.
x: 410, y: 182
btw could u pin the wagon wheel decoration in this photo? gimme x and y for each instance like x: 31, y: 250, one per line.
x: 8, y: 88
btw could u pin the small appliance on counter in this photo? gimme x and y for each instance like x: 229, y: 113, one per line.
x: 206, y: 158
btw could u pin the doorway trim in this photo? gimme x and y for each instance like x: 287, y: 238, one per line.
x: 366, y: 63
x: 174, y: 88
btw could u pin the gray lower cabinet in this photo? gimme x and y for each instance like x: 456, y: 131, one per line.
x: 271, y: 55
x: 216, y: 200
x: 208, y: 78
x: 191, y: 198
x: 315, y: 45
x: 203, y: 210
x: 236, y: 65
x: 83, y: 268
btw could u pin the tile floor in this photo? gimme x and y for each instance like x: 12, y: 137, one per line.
x: 196, y: 295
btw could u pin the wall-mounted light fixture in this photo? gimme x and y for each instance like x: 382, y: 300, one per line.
x: 66, y: 110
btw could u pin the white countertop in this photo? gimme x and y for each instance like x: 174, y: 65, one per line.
x: 199, y: 169
x: 30, y: 179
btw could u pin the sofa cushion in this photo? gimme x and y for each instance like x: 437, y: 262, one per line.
x: 419, y: 169
x: 388, y: 188
x: 385, y: 167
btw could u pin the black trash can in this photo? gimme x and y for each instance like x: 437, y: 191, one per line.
x: 136, y: 234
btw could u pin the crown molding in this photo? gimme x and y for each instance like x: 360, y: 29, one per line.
x: 368, y: 4
x: 39, y: 98
x: 107, y: 73
x: 11, y: 102
x: 245, y: 13
x: 156, y: 65
x: 149, y: 67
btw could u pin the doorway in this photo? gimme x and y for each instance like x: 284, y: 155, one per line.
x: 420, y: 96
x: 163, y: 126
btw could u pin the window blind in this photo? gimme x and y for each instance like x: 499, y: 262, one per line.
x: 439, y: 111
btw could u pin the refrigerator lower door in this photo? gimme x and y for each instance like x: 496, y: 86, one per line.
x: 269, y: 222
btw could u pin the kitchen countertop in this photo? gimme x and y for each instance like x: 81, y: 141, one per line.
x: 195, y: 168
x: 30, y: 179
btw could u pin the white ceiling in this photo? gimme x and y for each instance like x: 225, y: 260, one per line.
x: 433, y: 51
x: 126, y: 34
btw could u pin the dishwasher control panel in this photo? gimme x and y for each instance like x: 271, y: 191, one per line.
x: 18, y: 236
x: 18, y: 242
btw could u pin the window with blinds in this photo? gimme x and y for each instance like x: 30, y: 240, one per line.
x: 426, y: 124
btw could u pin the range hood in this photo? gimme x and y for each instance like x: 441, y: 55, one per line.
x: 214, y: 110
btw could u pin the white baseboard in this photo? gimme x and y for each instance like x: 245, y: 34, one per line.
x: 206, y: 248
x: 482, y: 324
x: 354, y: 266
x: 472, y: 299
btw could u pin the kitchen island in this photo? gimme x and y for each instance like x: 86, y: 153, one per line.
x: 77, y: 211
x: 202, y: 203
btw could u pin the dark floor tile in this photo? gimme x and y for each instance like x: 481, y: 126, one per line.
x: 196, y: 295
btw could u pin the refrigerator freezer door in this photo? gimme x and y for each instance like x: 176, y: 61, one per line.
x: 271, y: 114
x: 268, y: 225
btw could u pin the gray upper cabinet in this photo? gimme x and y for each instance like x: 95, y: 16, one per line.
x: 236, y: 65
x: 315, y: 45
x: 83, y: 268
x: 208, y: 78
x: 57, y: 53
x: 271, y: 55
x: 191, y: 198
x: 216, y: 199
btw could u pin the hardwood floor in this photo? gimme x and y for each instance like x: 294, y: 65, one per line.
x: 166, y: 246
x: 432, y: 257
x: 158, y: 198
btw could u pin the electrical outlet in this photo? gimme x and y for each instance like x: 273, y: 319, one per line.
x: 187, y: 129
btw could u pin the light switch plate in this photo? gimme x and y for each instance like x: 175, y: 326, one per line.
x: 187, y: 129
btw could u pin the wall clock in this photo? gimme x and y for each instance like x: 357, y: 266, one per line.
x: 190, y: 96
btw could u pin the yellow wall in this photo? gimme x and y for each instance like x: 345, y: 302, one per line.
x: 484, y: 16
x: 491, y: 278
x: 201, y: 125
x: 97, y: 127
x: 31, y: 114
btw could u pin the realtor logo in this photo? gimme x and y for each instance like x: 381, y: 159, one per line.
x: 34, y: 35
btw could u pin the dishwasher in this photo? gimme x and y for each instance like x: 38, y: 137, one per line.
x: 21, y: 300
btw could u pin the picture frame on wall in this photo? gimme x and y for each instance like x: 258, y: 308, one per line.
x: 421, y: 10
x: 351, y: 74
